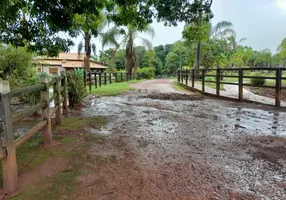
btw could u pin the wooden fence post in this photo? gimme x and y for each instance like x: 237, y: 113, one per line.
x: 186, y: 77
x: 127, y: 77
x: 240, y: 85
x: 90, y: 80
x: 218, y: 81
x: 203, y: 80
x: 110, y: 81
x: 115, y: 75
x: 121, y: 77
x: 9, y: 163
x: 278, y: 88
x: 95, y: 80
x: 65, y: 93
x: 58, y: 100
x: 47, y: 130
x: 99, y: 79
x: 105, y: 78
x: 84, y: 77
x: 178, y: 76
x: 193, y: 78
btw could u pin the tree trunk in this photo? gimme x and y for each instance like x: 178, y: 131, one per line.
x: 129, y: 58
x: 136, y: 64
x: 197, y: 72
x: 87, y: 39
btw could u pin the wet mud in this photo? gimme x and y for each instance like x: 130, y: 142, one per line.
x: 201, y: 149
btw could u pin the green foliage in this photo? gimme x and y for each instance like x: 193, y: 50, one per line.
x: 172, y: 63
x: 147, y: 72
x: 258, y: 81
x: 194, y: 33
x: 76, y: 89
x: 210, y: 78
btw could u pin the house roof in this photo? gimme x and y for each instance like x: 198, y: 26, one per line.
x: 68, y: 60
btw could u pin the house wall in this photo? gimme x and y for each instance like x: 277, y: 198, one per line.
x: 50, y: 69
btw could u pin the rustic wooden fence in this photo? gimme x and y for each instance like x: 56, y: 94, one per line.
x: 99, y: 79
x: 8, y: 144
x: 189, y: 77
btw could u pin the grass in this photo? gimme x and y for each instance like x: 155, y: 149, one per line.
x: 59, y: 186
x: 114, y: 89
x: 178, y: 87
x: 76, y: 123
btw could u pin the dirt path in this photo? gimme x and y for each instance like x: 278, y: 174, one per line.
x: 157, y: 85
x: 201, y: 150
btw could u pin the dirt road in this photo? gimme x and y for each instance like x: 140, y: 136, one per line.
x: 206, y: 149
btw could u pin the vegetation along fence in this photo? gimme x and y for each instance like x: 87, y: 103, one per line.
x: 8, y: 143
x: 274, y: 78
x: 98, y: 79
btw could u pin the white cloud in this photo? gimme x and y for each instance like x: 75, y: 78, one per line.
x: 281, y: 4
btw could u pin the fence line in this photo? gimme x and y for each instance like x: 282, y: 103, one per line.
x: 8, y: 144
x: 97, y: 79
x: 184, y: 76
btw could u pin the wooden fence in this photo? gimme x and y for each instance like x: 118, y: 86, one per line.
x: 189, y: 77
x: 98, y: 79
x: 8, y: 119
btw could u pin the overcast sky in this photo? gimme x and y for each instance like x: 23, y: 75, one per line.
x: 262, y: 22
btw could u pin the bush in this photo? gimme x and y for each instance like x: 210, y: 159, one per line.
x: 76, y: 89
x: 147, y: 72
x: 258, y: 81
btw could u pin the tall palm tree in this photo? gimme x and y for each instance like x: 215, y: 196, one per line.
x: 129, y: 37
x: 232, y: 41
x: 110, y: 38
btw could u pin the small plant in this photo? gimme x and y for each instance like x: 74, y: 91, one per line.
x: 257, y: 81
x: 76, y: 89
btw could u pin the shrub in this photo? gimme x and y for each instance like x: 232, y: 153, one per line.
x: 147, y: 72
x: 76, y: 89
x: 258, y: 81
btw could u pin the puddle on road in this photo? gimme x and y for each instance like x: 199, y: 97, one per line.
x: 238, y: 120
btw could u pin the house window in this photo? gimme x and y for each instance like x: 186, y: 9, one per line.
x: 53, y: 70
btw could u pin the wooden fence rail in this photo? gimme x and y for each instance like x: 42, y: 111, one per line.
x: 183, y: 76
x: 8, y: 144
x: 98, y: 79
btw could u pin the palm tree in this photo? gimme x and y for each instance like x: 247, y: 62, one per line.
x: 129, y: 37
x: 232, y: 41
x: 110, y: 38
x: 89, y: 26
x: 222, y: 29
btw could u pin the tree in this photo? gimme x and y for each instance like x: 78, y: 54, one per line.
x: 36, y: 24
x: 282, y: 51
x: 89, y: 25
x: 120, y: 59
x: 110, y: 38
x: 172, y: 62
x: 242, y: 56
x: 149, y: 58
x: 233, y: 44
x: 129, y: 37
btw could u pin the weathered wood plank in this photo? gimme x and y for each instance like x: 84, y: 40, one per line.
x: 47, y: 130
x: 26, y: 90
x: 28, y: 112
x: 19, y: 141
x: 9, y: 163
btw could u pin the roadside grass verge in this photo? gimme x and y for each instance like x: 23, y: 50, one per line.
x: 114, y: 88
x: 178, y: 87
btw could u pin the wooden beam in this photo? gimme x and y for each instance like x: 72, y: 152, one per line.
x: 28, y: 112
x: 47, y: 130
x: 19, y: 141
x: 26, y: 90
x: 9, y: 163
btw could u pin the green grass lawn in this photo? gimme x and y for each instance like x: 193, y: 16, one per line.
x: 113, y: 89
x: 178, y: 87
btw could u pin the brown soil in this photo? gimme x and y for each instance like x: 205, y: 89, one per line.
x: 267, y: 92
x: 175, y: 96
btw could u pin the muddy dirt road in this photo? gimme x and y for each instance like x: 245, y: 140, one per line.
x: 197, y: 150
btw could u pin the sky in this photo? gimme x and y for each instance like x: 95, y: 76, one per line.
x: 262, y: 22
